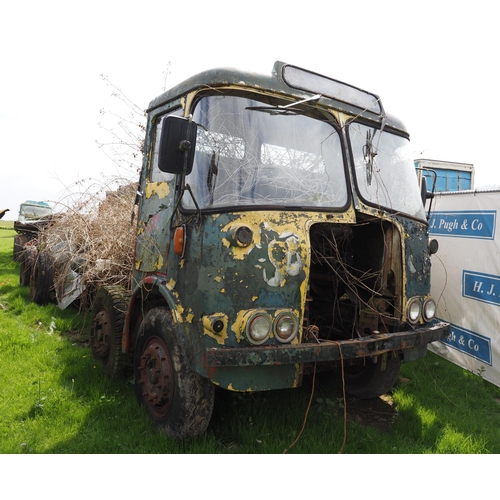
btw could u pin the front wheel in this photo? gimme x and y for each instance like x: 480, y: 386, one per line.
x: 369, y: 379
x: 178, y: 399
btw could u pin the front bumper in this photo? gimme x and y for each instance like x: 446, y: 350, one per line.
x: 30, y: 227
x: 372, y: 345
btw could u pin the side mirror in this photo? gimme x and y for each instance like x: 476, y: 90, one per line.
x: 177, y: 145
x: 423, y: 190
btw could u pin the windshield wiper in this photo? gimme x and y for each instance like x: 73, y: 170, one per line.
x: 288, y: 109
x: 369, y: 153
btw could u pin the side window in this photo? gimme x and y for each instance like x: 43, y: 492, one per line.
x: 156, y: 175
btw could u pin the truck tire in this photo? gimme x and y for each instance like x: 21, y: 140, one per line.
x: 42, y: 279
x: 28, y: 258
x: 179, y: 400
x: 369, y: 380
x: 19, y: 241
x: 108, y: 318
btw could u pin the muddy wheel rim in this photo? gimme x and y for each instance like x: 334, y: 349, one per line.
x: 156, y: 377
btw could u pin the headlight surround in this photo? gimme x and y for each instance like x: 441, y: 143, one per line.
x: 414, y: 310
x: 286, y: 326
x: 259, y: 328
x: 429, y: 309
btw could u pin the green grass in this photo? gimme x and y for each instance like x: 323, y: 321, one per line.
x: 54, y: 398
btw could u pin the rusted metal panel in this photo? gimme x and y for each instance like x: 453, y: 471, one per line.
x: 417, y: 257
x: 373, y: 345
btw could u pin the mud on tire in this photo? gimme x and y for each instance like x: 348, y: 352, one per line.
x: 178, y: 399
x: 108, y: 318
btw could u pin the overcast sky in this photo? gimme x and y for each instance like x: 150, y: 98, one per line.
x: 434, y: 64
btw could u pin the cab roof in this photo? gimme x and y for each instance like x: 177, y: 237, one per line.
x: 289, y: 81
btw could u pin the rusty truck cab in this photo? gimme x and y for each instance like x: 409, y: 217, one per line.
x: 280, y: 226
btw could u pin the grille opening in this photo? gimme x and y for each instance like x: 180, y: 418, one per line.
x: 353, y: 280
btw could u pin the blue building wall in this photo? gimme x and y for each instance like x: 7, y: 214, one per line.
x: 449, y: 179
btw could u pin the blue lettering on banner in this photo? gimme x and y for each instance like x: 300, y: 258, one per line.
x: 470, y: 343
x: 465, y: 224
x: 482, y: 287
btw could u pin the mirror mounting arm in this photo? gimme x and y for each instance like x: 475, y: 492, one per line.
x: 185, y: 187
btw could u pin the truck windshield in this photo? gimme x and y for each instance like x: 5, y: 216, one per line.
x: 33, y: 212
x: 385, y: 172
x: 264, y: 156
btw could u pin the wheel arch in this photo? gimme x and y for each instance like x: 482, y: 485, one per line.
x: 151, y: 292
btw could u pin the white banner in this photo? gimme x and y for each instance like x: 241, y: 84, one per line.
x: 466, y: 279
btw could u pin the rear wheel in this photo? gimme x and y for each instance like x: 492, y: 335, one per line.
x: 42, y: 279
x: 19, y: 241
x: 28, y: 257
x: 370, y: 380
x: 178, y: 399
x: 108, y: 318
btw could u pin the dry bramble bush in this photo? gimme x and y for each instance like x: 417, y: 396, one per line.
x: 95, y: 240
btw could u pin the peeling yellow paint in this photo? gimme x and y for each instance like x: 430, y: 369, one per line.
x: 254, y: 298
x: 161, y: 189
x: 189, y: 317
x: 171, y: 284
x: 178, y: 312
x: 159, y: 262
x: 240, y: 323
x: 140, y: 227
x: 239, y: 253
x: 223, y: 290
x: 230, y: 387
x: 218, y: 279
x: 296, y: 382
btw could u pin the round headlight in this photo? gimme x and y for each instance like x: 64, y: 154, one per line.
x: 286, y: 327
x: 414, y: 310
x: 433, y: 246
x: 429, y: 309
x: 259, y: 328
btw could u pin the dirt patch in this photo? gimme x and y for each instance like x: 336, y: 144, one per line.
x: 80, y: 337
x: 378, y: 413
